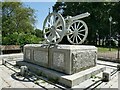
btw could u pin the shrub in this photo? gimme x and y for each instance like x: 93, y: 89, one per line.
x: 20, y: 39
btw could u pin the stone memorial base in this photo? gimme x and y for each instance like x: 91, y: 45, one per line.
x: 67, y: 64
x: 68, y: 59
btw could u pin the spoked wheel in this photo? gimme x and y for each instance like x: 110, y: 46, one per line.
x: 78, y: 32
x: 54, y: 28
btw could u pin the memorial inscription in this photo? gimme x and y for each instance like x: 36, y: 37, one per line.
x: 58, y: 60
x: 41, y: 57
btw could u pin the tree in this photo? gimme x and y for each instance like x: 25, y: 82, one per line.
x: 17, y: 21
x: 39, y: 33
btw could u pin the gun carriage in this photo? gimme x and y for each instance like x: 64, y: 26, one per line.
x: 55, y: 27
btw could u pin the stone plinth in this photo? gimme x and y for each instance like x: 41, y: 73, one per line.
x: 68, y: 59
x: 61, y: 78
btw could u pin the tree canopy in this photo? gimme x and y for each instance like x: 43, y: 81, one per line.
x: 18, y: 24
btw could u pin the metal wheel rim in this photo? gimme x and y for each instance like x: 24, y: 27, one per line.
x: 54, y: 29
x: 79, y: 32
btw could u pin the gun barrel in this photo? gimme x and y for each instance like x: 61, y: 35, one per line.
x: 80, y: 16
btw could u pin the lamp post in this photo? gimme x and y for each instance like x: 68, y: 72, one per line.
x: 118, y: 36
x: 110, y: 19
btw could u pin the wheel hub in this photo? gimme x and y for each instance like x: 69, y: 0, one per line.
x: 53, y: 29
x: 75, y: 32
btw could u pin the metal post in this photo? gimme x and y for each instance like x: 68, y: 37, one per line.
x: 106, y: 76
x: 3, y: 61
x: 97, y: 36
x: 110, y: 38
x: 118, y: 57
x: 23, y: 70
x: 0, y: 50
x: 110, y: 19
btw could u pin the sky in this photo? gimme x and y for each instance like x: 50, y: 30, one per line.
x: 41, y: 11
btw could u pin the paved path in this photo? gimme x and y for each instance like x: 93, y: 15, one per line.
x: 7, y: 79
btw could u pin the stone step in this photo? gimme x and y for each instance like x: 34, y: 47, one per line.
x: 63, y: 79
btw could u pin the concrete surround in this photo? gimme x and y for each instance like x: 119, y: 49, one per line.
x: 68, y: 59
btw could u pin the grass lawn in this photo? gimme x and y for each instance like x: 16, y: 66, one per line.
x: 102, y: 49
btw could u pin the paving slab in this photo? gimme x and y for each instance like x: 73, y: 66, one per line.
x: 4, y: 84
